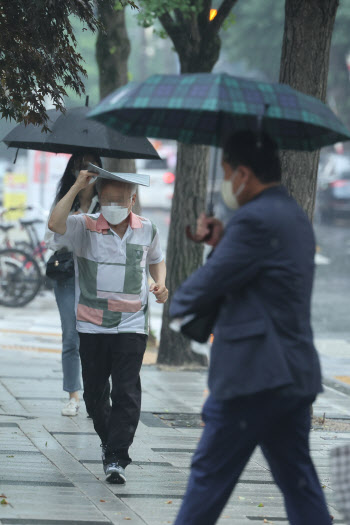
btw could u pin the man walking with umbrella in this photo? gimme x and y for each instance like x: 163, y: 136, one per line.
x: 264, y: 370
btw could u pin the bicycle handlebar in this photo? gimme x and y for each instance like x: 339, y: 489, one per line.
x: 15, y: 208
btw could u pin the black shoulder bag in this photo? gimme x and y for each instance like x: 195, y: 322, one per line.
x: 60, y: 266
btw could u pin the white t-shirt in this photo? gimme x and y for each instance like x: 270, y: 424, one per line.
x: 111, y: 284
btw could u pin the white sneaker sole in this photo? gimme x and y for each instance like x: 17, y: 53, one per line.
x: 69, y: 413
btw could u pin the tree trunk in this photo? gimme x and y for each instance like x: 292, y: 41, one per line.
x: 183, y: 256
x: 200, y: 59
x: 112, y: 53
x: 112, y: 48
x: 304, y: 65
x: 198, y: 52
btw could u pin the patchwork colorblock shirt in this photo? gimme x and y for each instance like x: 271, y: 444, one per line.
x: 111, y: 288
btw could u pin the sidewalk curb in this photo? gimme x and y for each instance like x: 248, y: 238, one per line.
x: 336, y: 385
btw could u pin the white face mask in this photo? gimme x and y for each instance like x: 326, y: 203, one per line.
x: 230, y: 198
x: 115, y: 214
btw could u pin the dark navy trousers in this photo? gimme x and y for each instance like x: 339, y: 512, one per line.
x: 280, y: 424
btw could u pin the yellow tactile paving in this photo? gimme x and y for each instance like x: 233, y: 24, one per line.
x: 30, y: 332
x: 30, y: 348
x: 150, y: 357
x: 343, y: 379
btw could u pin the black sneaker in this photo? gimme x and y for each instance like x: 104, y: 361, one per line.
x: 114, y: 473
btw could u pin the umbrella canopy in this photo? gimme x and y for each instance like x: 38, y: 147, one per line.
x: 204, y: 108
x: 72, y: 133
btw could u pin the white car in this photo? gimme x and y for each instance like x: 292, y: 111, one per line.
x: 160, y: 193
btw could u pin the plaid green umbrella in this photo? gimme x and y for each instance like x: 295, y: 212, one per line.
x: 203, y: 108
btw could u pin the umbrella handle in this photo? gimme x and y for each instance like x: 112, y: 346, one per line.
x: 197, y: 238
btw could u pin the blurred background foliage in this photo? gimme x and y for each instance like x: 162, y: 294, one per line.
x: 251, y: 47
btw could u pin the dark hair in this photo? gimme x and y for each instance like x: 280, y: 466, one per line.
x: 68, y: 179
x: 257, y: 152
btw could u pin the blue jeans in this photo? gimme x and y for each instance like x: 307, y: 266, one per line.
x: 65, y: 297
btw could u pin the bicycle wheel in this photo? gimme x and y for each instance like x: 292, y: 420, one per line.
x: 24, y: 246
x: 20, y: 278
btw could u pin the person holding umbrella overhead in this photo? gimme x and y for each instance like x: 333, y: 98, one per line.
x: 264, y: 370
x: 112, y: 251
x: 85, y: 202
x: 71, y: 132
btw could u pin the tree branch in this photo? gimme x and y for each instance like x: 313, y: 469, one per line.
x: 179, y: 16
x: 203, y: 17
x: 195, y: 33
x: 177, y: 36
x: 223, y: 12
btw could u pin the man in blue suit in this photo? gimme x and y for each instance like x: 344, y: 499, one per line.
x: 264, y: 370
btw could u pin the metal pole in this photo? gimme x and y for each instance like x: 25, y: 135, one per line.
x: 210, y: 209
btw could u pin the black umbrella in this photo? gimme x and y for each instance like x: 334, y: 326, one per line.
x: 72, y: 133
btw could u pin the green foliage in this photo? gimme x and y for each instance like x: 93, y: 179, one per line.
x: 161, y: 33
x: 229, y: 22
x: 151, y: 10
x: 39, y: 61
x: 121, y: 4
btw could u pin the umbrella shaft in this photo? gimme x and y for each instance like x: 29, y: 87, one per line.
x: 210, y: 208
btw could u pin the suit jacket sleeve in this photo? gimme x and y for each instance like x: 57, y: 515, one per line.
x: 236, y: 261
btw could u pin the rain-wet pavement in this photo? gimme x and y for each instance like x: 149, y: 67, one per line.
x: 331, y: 299
x: 50, y: 468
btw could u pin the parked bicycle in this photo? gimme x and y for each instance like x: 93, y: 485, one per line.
x: 22, y: 263
x: 20, y: 277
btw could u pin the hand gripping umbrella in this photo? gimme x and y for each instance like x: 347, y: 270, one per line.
x: 204, y: 108
x: 72, y: 132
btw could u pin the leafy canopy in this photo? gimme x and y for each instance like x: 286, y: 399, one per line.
x: 153, y: 9
x: 190, y: 26
x: 38, y: 56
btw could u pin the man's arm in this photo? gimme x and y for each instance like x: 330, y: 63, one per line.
x: 59, y: 215
x: 158, y: 274
x: 236, y: 260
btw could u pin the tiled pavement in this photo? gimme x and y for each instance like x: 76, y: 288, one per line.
x: 50, y: 468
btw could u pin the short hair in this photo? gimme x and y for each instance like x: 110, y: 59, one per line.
x: 259, y: 152
x: 101, y: 182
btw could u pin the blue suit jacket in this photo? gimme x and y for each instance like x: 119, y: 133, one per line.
x: 261, y: 275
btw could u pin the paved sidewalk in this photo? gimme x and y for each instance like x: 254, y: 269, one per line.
x: 50, y: 467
